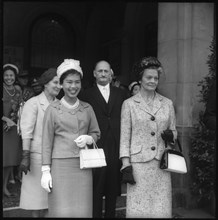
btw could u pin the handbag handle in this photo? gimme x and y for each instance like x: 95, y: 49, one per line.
x: 180, y: 147
x: 94, y: 144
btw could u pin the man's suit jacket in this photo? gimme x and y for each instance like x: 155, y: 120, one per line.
x: 107, y: 114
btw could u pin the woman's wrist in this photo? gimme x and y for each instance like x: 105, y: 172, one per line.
x: 125, y: 162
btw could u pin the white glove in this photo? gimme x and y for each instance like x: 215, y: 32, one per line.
x: 46, y: 180
x: 82, y: 140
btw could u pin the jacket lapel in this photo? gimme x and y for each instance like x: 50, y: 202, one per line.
x: 157, y: 103
x: 144, y: 107
x: 44, y: 103
x: 112, y: 98
x: 100, y: 99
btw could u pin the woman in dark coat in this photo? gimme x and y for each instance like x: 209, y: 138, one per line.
x: 11, y: 139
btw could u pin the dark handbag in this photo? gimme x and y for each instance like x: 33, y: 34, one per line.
x: 173, y: 160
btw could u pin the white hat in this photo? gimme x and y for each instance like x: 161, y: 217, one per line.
x: 13, y: 66
x: 133, y: 84
x: 69, y: 64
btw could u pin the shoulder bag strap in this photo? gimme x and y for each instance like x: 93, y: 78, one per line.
x: 180, y: 147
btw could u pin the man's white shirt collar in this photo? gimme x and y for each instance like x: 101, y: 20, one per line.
x: 106, y: 93
x: 101, y: 87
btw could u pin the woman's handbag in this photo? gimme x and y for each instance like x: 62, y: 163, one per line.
x: 92, y: 158
x: 173, y: 160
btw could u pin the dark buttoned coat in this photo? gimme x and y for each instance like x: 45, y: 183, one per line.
x: 108, y: 117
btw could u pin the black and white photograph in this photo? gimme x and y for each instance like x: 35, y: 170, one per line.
x: 109, y: 109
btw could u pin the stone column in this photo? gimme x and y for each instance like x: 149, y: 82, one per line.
x: 185, y: 31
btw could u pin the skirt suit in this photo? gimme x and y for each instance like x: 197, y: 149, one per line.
x: 33, y: 196
x: 71, y: 193
x: 141, y: 128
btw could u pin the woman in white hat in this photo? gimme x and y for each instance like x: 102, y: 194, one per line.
x: 11, y: 140
x: 134, y: 88
x: 69, y: 125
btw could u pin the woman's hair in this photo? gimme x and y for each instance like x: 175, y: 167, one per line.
x: 146, y: 63
x: 159, y: 71
x: 69, y: 72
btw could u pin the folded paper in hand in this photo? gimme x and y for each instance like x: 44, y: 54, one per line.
x: 92, y: 158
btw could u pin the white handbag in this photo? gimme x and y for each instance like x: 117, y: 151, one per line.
x: 92, y: 158
x: 173, y: 161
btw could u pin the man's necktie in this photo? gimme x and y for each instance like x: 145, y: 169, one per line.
x: 105, y: 94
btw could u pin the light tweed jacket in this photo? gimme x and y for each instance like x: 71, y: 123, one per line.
x: 141, y: 128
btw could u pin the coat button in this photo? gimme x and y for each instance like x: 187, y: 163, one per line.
x: 153, y: 148
x: 152, y: 118
x: 152, y: 133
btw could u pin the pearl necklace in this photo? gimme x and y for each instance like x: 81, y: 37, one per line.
x: 69, y: 106
x: 9, y: 92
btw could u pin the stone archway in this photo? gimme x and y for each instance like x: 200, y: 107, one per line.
x: 51, y: 39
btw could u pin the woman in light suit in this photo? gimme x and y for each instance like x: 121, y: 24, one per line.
x: 147, y: 119
x: 69, y: 125
x: 33, y: 197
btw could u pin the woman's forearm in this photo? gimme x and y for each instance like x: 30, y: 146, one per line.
x: 26, y: 144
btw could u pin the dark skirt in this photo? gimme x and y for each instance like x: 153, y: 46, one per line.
x: 71, y: 194
x: 12, y: 148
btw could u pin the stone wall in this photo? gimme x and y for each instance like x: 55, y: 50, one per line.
x: 185, y: 31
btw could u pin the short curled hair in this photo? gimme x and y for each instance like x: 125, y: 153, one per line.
x: 146, y: 63
x: 69, y: 72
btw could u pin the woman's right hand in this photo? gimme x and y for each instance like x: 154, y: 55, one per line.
x: 127, y: 176
x: 125, y: 162
x: 25, y: 162
x: 46, y: 180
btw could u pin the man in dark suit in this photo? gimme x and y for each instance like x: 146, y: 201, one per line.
x: 106, y: 101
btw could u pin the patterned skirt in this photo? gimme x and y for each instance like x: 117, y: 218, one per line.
x: 151, y: 196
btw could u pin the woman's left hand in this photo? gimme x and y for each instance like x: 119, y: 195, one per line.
x: 82, y: 140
